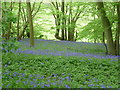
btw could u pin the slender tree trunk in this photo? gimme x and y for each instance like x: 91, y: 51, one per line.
x: 94, y: 37
x: 18, y: 26
x: 107, y: 28
x: 104, y: 43
x: 71, y: 31
x: 65, y: 31
x: 63, y: 19
x: 71, y: 25
x: 30, y: 24
x: 76, y: 36
x: 68, y: 22
x: 117, y: 31
x: 57, y: 22
x: 10, y: 24
x: 24, y: 28
x: 94, y: 33
x: 1, y: 19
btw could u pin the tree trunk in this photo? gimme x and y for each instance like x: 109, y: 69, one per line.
x: 18, y: 26
x: 57, y: 22
x: 95, y: 39
x: 71, y: 35
x: 65, y: 23
x: 71, y: 31
x: 65, y: 31
x: 117, y: 31
x: 105, y: 43
x: 10, y: 24
x: 63, y: 20
x: 107, y: 29
x: 30, y: 24
x: 76, y: 36
x: 22, y: 33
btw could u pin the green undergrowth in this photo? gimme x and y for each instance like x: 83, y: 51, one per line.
x: 26, y: 71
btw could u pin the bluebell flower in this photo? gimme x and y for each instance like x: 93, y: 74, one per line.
x: 113, y: 60
x: 54, y: 75
x: 25, y: 82
x: 20, y: 68
x: 6, y: 65
x: 68, y: 78
x: 17, y: 81
x: 63, y: 78
x: 53, y: 83
x: 35, y: 85
x: 54, y: 79
x: 19, y: 76
x: 41, y: 77
x: 103, y: 86
x: 8, y: 85
x: 31, y: 82
x: 86, y: 75
x: 47, y: 60
x: 30, y: 75
x: 48, y: 80
x: 23, y: 74
x: 42, y: 63
x: 47, y: 85
x: 69, y: 73
x: 14, y: 74
x: 38, y: 75
x: 84, y: 82
x: 67, y: 86
x: 96, y: 80
x: 39, y: 84
x: 34, y: 79
x: 34, y: 74
x: 60, y: 81
x: 91, y: 85
x: 109, y: 86
x: 49, y: 76
x: 97, y: 85
x: 9, y: 62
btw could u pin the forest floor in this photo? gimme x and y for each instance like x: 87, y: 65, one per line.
x: 59, y: 64
x: 64, y: 48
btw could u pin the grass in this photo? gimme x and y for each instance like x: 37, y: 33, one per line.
x: 23, y: 70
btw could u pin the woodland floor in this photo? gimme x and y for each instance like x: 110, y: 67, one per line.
x: 59, y: 64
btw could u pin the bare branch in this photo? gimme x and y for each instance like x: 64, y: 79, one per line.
x: 37, y: 10
x: 76, y: 12
x: 33, y: 6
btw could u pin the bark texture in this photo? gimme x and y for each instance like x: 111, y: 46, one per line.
x: 30, y: 24
x: 107, y: 28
